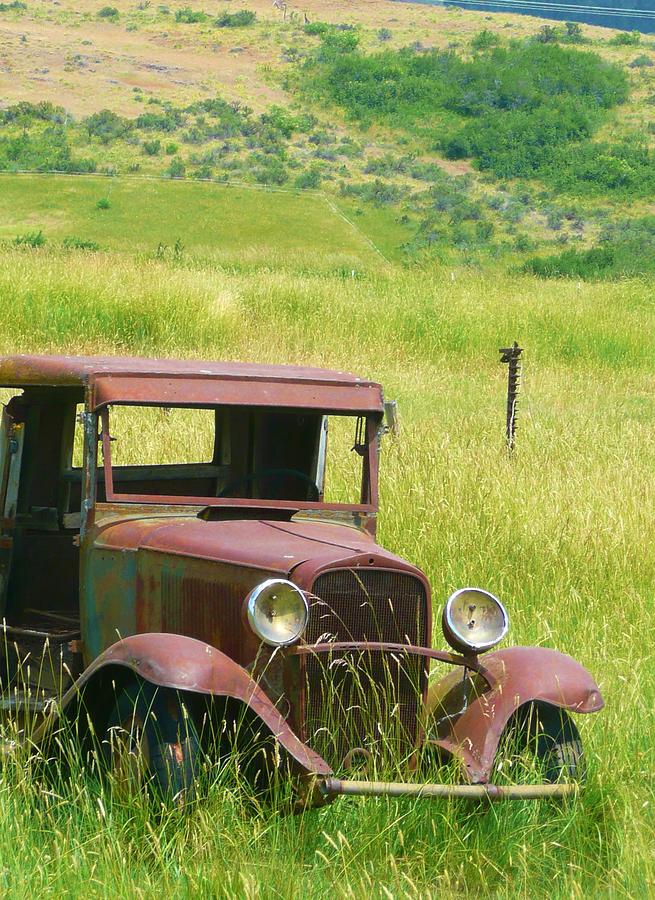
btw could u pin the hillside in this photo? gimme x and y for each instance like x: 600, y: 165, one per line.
x: 150, y: 90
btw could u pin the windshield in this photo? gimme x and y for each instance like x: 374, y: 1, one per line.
x: 236, y: 455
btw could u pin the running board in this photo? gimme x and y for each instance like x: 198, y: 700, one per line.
x: 332, y: 787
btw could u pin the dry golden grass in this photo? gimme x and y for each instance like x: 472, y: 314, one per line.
x: 65, y: 54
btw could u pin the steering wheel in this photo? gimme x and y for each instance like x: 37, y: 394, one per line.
x: 272, y: 473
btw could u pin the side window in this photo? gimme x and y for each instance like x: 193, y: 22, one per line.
x: 77, y: 459
x: 343, y: 461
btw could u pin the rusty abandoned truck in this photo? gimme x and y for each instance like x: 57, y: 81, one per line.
x: 231, y: 574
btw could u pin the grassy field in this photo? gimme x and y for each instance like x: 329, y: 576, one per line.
x: 206, y: 218
x: 563, y: 531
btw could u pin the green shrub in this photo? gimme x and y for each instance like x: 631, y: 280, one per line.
x: 573, y: 34
x: 641, y: 62
x: 103, y: 203
x: 625, y: 39
x: 378, y: 192
x: 15, y: 4
x: 108, y: 12
x: 176, y: 168
x: 281, y: 120
x: 44, y: 151
x: 485, y: 40
x: 316, y: 28
x: 107, y: 126
x: 76, y: 243
x: 514, y: 109
x: 171, y: 149
x: 310, y: 179
x: 168, y: 120
x: 152, y: 148
x: 547, y: 34
x: 25, y: 113
x: 236, y: 20
x: 384, y: 35
x: 625, y: 249
x: 30, y: 239
x: 188, y: 16
x: 268, y: 169
x: 336, y: 42
x: 627, y: 168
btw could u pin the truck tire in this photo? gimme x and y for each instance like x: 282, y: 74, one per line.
x: 152, y: 743
x: 544, y: 738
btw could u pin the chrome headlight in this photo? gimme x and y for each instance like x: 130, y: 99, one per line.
x: 277, y: 612
x: 474, y: 620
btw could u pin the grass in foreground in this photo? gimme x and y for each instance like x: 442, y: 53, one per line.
x: 562, y: 532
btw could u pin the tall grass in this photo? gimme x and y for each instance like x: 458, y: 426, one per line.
x: 563, y: 531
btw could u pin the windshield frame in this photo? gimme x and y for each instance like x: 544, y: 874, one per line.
x: 369, y: 473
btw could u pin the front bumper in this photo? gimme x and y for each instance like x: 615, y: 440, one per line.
x: 333, y: 787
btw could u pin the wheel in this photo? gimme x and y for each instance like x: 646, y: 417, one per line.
x: 152, y: 743
x: 543, y: 740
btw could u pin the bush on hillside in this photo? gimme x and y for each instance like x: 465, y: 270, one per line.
x: 573, y: 34
x: 76, y: 243
x: 310, y: 179
x: 239, y: 19
x: 625, y: 249
x: 517, y: 106
x: 31, y: 239
x: 594, y: 169
x: 169, y: 120
x: 25, y: 113
x: 485, y: 40
x: 188, y: 16
x: 44, y: 151
x: 107, y: 126
x: 316, y: 28
x: 641, y: 62
x: 625, y: 39
x: 268, y: 169
x: 176, y: 168
x: 108, y: 12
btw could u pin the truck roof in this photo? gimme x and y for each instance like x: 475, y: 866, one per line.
x: 123, y: 379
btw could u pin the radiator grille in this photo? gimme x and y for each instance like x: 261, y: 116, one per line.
x: 203, y: 610
x: 365, y: 699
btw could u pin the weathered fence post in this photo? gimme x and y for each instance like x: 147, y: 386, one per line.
x: 512, y: 356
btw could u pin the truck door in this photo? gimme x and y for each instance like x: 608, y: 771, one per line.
x: 11, y: 451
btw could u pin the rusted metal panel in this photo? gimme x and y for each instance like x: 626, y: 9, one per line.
x: 108, y: 599
x: 185, y: 664
x: 520, y: 675
x: 116, y: 379
x: 345, y: 398
x: 259, y: 544
x: 198, y: 598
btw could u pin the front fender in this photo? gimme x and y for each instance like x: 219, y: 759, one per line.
x: 186, y: 664
x: 520, y: 675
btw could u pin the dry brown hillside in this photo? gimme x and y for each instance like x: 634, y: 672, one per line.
x: 65, y: 52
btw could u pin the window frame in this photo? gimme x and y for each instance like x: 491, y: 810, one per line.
x: 369, y: 473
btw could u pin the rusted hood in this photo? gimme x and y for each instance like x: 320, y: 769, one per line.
x: 280, y: 547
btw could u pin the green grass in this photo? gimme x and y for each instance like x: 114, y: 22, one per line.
x: 205, y: 217
x: 563, y: 531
